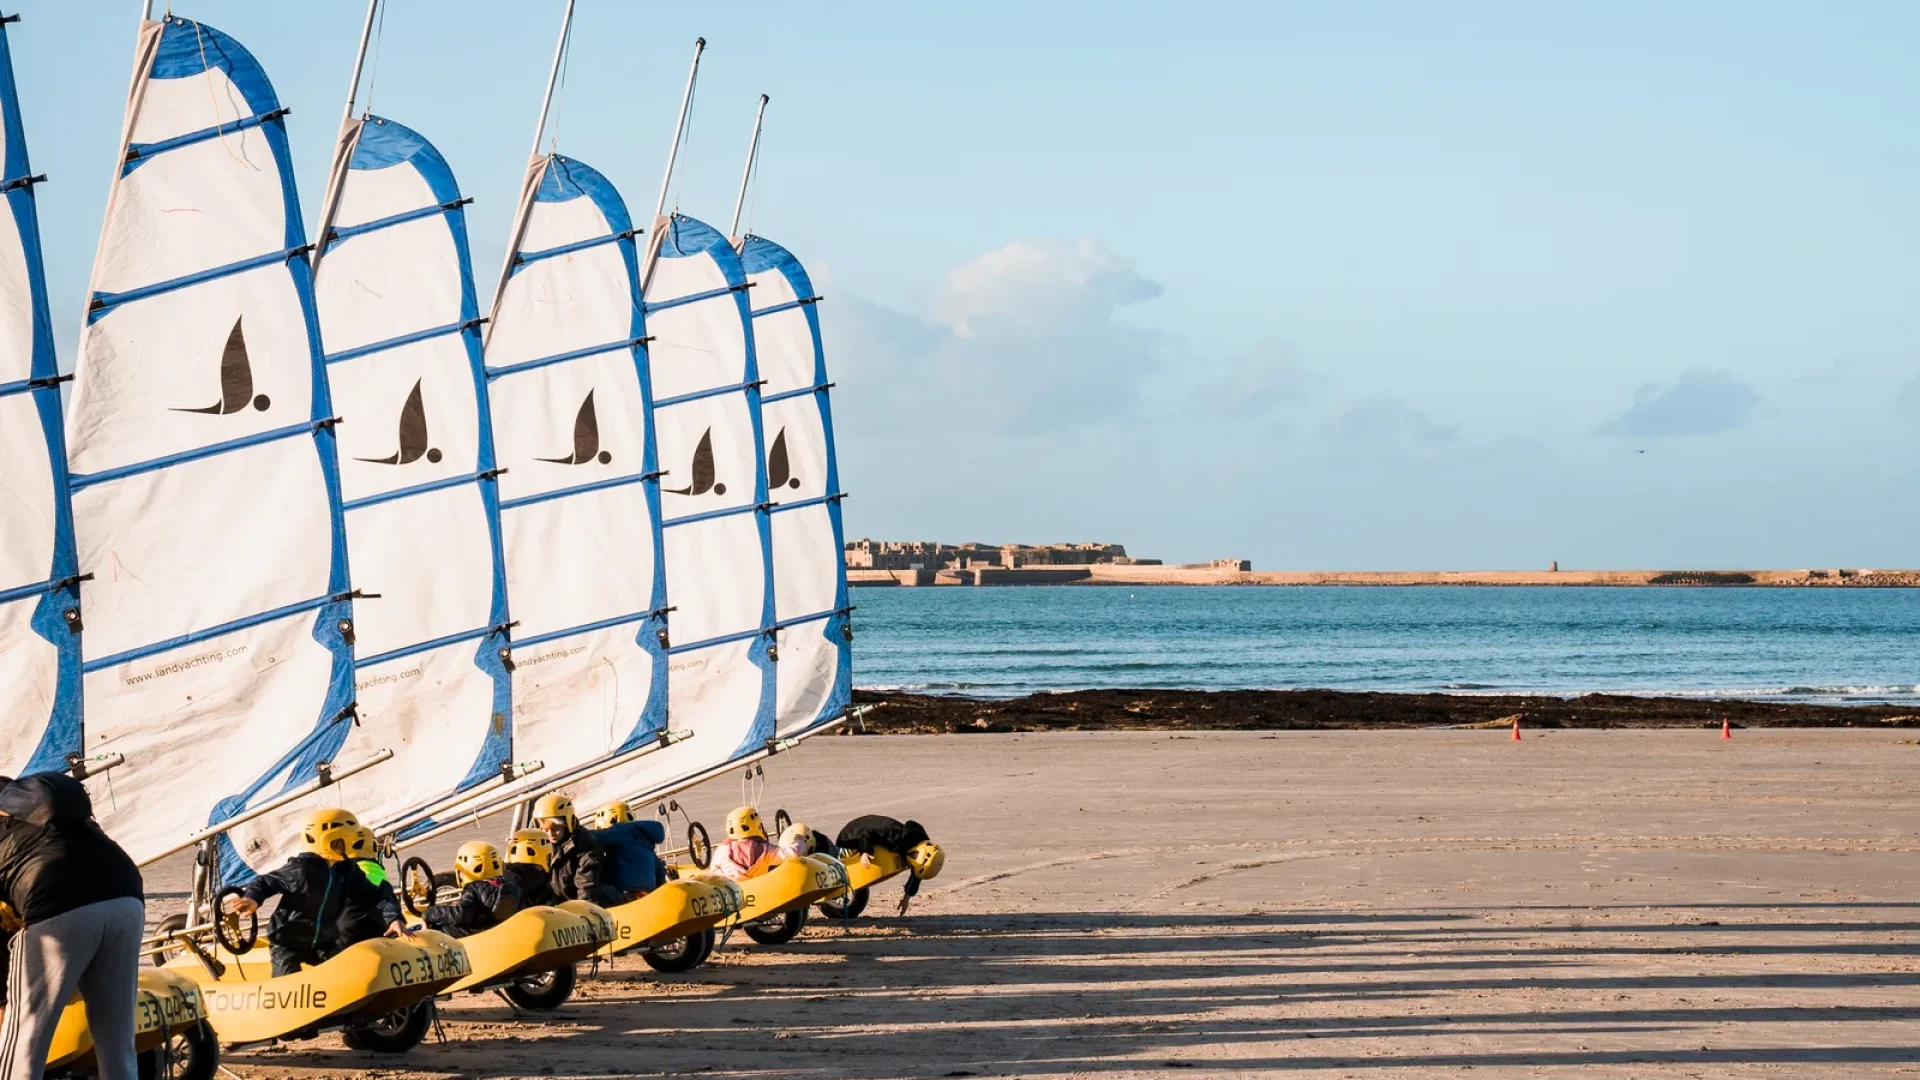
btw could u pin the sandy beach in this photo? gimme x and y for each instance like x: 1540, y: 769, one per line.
x: 1582, y: 903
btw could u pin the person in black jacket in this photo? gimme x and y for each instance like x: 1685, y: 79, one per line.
x: 907, y: 839
x: 317, y: 887
x: 529, y: 854
x: 486, y: 898
x: 578, y: 868
x: 632, y: 865
x: 81, y: 907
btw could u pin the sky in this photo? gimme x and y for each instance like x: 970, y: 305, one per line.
x: 1373, y: 285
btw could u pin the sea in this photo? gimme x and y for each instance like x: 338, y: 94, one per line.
x: 1829, y: 645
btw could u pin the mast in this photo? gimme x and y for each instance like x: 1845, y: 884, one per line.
x: 539, y: 132
x: 359, y: 60
x: 746, y: 175
x: 344, y: 144
x: 679, y: 128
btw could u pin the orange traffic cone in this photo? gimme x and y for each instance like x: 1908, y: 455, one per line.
x: 1516, y: 729
x: 1726, y: 728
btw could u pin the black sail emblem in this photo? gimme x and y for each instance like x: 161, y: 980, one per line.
x: 586, y: 438
x: 236, y: 379
x: 779, y: 469
x: 703, y: 470
x: 413, y: 434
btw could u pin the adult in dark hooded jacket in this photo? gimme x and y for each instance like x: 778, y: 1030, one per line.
x: 632, y: 861
x: 577, y: 868
x: 84, y: 909
x: 874, y: 831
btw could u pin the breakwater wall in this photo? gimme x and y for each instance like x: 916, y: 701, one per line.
x: 1108, y: 574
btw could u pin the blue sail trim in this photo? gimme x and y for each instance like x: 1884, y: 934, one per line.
x: 102, y: 303
x: 384, y: 143
x: 60, y: 591
x: 561, y: 358
x: 760, y: 255
x: 208, y: 634
x: 428, y: 334
x: 578, y: 489
x: 768, y: 399
x: 105, y: 476
x: 187, y: 49
x: 425, y: 646
x: 8, y: 596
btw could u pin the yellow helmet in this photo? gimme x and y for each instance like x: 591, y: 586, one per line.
x: 926, y: 858
x: 360, y: 843
x: 477, y: 860
x: 613, y: 813
x: 530, y: 847
x: 321, y: 832
x: 745, y: 824
x: 555, y: 806
x: 798, y: 839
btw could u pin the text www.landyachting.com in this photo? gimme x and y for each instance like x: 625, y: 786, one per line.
x: 175, y: 667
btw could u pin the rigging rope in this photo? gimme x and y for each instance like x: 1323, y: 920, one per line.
x: 560, y: 95
x: 213, y: 98
x: 373, y: 76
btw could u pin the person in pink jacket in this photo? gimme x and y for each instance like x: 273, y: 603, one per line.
x: 747, y: 852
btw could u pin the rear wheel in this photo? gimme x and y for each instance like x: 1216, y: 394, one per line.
x: 847, y: 907
x: 680, y: 954
x: 543, y: 990
x: 193, y: 1054
x: 778, y: 929
x: 395, y: 1033
x: 172, y: 924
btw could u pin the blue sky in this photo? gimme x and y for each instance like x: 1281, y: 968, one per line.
x: 1390, y: 285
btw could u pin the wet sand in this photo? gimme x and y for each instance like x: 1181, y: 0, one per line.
x: 1582, y: 903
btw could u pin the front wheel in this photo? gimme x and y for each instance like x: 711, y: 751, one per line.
x: 680, y: 954
x: 193, y: 1054
x: 847, y: 907
x: 395, y: 1033
x: 779, y: 929
x: 543, y: 990
x: 172, y: 924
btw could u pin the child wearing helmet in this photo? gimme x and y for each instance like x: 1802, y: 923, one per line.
x: 747, y: 852
x: 316, y: 887
x: 801, y: 839
x: 907, y: 839
x: 577, y: 870
x: 487, y: 898
x: 632, y: 861
x: 529, y: 859
x: 360, y: 920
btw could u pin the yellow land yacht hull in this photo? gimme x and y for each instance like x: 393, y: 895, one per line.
x: 165, y: 1004
x: 677, y: 909
x: 790, y: 884
x: 534, y: 939
x: 247, y: 1003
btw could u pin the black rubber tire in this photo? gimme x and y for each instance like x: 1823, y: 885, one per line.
x: 680, y: 955
x: 778, y: 930
x: 170, y: 924
x: 781, y: 819
x: 239, y: 945
x: 699, y: 845
x: 395, y: 1033
x: 194, y: 1054
x: 847, y: 907
x: 407, y: 899
x: 543, y: 991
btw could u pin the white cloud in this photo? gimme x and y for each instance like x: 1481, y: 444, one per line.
x: 1385, y: 420
x: 1699, y: 402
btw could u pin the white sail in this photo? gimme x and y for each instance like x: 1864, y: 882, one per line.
x: 815, y: 673
x: 579, y: 498
x: 206, y: 495
x: 394, y: 287
x: 39, y: 647
x: 717, y: 546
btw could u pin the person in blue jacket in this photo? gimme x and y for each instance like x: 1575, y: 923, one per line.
x: 633, y: 864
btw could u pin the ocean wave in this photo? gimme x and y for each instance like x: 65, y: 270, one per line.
x: 1468, y: 686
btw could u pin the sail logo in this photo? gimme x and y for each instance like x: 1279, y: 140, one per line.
x: 413, y: 434
x: 703, y: 470
x: 586, y: 439
x: 236, y: 380
x: 779, y: 469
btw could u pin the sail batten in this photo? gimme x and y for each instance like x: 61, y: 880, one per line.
x: 40, y: 678
x: 207, y: 505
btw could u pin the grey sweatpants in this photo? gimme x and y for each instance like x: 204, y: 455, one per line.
x: 93, y: 949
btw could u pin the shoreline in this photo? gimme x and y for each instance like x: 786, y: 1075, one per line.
x: 1339, y: 710
x: 1138, y: 575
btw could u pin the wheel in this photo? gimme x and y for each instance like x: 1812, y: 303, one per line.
x: 226, y: 928
x: 680, y: 954
x: 699, y: 846
x: 194, y: 1054
x: 543, y: 990
x: 779, y: 929
x: 172, y: 924
x: 781, y: 819
x: 847, y: 907
x: 395, y: 1033
x: 416, y: 886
